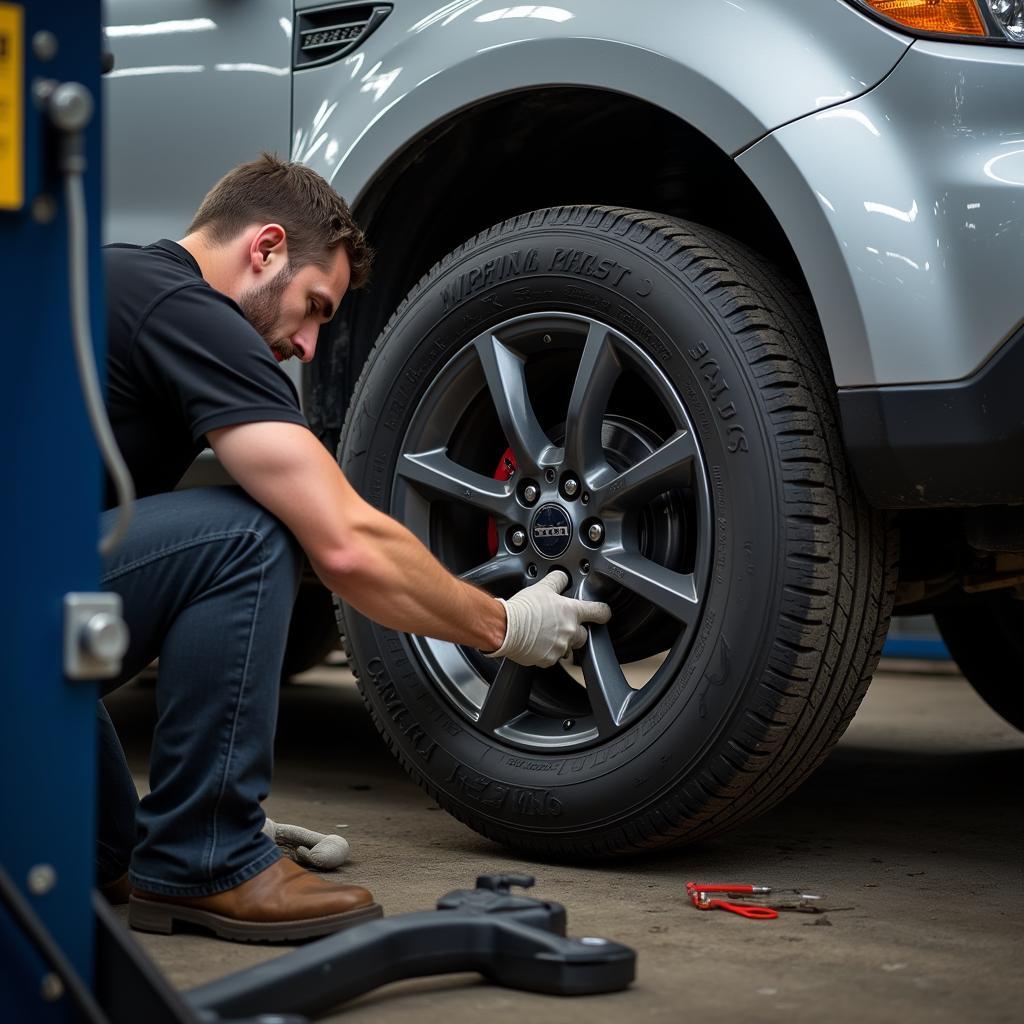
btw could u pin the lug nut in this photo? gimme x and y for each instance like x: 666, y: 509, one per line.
x: 518, y: 538
x: 596, y: 533
x: 531, y: 493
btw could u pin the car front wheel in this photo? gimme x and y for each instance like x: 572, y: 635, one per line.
x: 644, y: 404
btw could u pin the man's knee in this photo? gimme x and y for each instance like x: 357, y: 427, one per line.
x: 273, y: 544
x: 177, y: 532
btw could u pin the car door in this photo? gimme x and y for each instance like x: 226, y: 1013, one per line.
x: 197, y: 87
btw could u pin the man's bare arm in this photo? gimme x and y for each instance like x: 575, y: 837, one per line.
x: 365, y: 557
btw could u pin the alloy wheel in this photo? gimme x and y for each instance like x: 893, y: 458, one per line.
x: 600, y: 474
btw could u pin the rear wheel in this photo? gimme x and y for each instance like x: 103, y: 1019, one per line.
x: 641, y: 403
x: 985, y: 635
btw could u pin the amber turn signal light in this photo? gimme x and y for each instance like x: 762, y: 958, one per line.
x: 951, y: 17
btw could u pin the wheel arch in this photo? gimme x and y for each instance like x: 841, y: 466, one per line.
x: 517, y: 152
x: 391, y: 114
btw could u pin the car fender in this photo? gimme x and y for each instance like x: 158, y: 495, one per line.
x: 733, y: 71
x: 905, y: 208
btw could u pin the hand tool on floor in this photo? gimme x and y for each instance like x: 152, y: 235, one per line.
x: 758, y: 902
x: 511, y: 939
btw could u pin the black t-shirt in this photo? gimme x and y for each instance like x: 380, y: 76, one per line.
x: 181, y: 360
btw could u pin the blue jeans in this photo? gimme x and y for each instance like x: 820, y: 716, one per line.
x: 208, y: 579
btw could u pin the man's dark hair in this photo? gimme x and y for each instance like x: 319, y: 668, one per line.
x: 274, y: 191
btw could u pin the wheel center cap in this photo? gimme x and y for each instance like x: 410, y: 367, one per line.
x: 551, y: 530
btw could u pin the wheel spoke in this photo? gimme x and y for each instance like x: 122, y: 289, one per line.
x: 667, y: 467
x: 505, y: 373
x: 672, y: 592
x: 607, y: 689
x: 506, y: 697
x: 437, y: 476
x: 598, y: 371
x: 504, y: 567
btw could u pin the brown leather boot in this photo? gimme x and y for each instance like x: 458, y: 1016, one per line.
x: 283, y: 903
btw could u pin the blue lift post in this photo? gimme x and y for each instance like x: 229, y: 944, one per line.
x: 50, y: 525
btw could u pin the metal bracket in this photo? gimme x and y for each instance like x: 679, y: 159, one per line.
x: 95, y: 635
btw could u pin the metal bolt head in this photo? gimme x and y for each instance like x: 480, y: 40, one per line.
x: 596, y: 533
x: 71, y: 106
x: 105, y: 636
x: 44, y: 209
x: 518, y: 538
x: 585, y: 498
x: 584, y: 566
x: 45, y: 45
x: 41, y: 879
x: 531, y: 493
x: 51, y: 988
x: 42, y: 90
x: 570, y: 485
x: 531, y: 570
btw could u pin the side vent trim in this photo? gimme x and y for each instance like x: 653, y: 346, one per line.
x: 323, y: 34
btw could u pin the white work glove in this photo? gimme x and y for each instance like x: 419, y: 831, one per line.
x: 313, y: 849
x: 543, y: 625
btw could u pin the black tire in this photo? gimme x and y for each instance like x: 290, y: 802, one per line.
x: 801, y: 572
x: 312, y: 632
x: 985, y: 635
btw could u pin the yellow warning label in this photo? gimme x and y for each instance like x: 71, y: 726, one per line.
x: 11, y: 78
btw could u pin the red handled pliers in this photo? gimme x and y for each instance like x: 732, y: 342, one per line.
x: 703, y: 898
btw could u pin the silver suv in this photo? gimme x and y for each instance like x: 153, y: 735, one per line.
x: 715, y: 304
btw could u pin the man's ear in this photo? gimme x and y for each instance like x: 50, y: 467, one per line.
x: 268, y: 247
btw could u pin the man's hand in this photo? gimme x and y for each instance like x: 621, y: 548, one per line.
x: 543, y: 625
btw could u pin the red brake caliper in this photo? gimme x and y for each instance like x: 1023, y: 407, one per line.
x: 505, y: 471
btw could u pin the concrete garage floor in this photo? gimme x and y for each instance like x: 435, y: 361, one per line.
x: 915, y: 822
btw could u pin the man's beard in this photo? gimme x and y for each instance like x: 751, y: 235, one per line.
x: 262, y: 308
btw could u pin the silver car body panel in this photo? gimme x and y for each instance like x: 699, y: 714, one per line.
x: 714, y: 63
x: 905, y: 208
x: 198, y: 87
x: 894, y: 169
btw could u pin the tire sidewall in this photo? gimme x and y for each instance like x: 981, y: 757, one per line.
x: 622, y: 282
